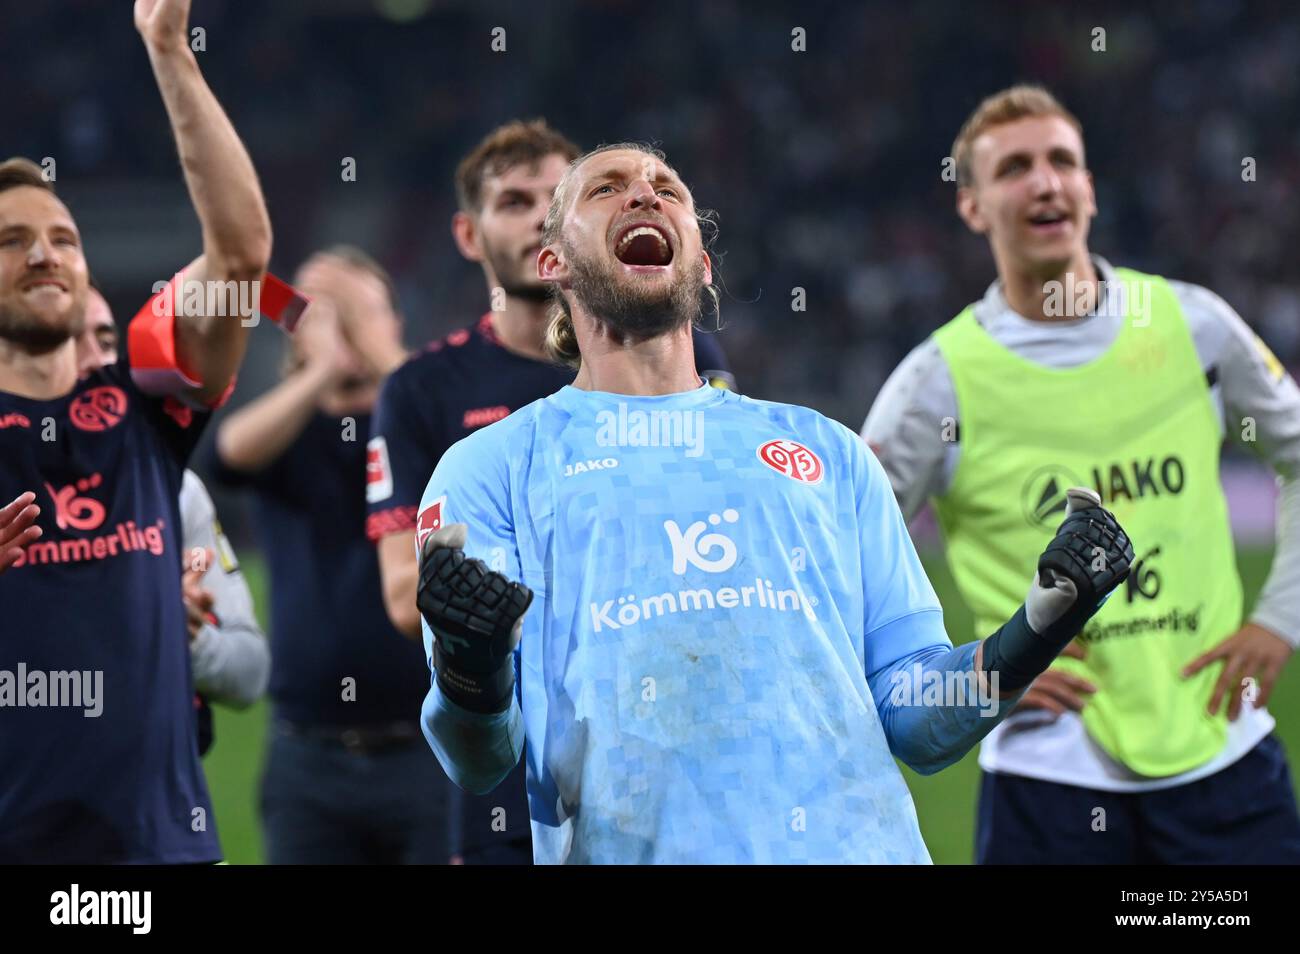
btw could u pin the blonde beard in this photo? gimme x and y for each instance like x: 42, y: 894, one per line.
x: 626, y: 313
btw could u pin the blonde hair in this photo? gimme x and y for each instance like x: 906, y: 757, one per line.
x: 1015, y: 102
x: 561, y: 343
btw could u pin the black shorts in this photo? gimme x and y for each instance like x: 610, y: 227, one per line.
x: 1244, y: 814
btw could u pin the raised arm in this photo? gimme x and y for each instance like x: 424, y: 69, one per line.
x: 1089, y: 557
x: 250, y: 438
x: 907, y: 653
x: 473, y: 613
x: 227, y: 197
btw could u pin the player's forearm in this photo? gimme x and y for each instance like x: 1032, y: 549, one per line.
x: 399, y: 570
x: 1278, y: 608
x: 936, y: 705
x: 260, y: 431
x: 231, y: 663
x: 236, y: 227
x: 952, y: 698
x: 218, y: 172
x: 477, y: 751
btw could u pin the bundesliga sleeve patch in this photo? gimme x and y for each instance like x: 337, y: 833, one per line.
x: 225, y: 552
x: 430, y: 519
x: 1271, y: 361
x: 379, y: 475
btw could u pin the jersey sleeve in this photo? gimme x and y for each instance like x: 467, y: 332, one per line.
x: 1262, y: 414
x: 902, y: 613
x: 230, y: 657
x: 178, y: 425
x: 711, y: 362
x: 470, y: 486
x: 156, y: 376
x: 156, y: 366
x: 907, y: 424
x: 404, y: 447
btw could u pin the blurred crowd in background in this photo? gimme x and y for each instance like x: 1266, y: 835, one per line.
x: 824, y: 166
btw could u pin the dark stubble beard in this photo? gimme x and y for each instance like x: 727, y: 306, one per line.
x: 635, y: 309
x: 514, y: 275
x: 35, y: 335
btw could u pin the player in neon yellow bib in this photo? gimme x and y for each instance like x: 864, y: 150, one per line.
x: 1071, y: 372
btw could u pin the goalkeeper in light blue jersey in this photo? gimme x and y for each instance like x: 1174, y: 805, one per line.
x: 702, y: 611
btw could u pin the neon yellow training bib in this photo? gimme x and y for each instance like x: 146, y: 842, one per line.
x: 1138, y: 426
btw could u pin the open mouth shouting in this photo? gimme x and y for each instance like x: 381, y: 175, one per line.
x: 644, y: 247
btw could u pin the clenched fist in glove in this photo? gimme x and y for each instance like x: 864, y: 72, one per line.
x: 1089, y: 556
x: 476, y: 616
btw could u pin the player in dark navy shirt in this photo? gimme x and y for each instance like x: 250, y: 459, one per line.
x: 98, y: 756
x: 348, y: 778
x: 100, y: 591
x: 467, y: 380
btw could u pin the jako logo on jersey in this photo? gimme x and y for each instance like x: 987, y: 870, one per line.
x: 430, y: 519
x: 14, y: 420
x: 379, y: 478
x: 1149, y: 478
x: 1043, y: 496
x: 792, y: 459
x: 97, y: 409
x: 482, y: 416
x: 582, y: 466
x: 690, y: 547
x: 79, y: 513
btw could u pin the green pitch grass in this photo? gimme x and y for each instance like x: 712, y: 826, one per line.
x: 945, y: 802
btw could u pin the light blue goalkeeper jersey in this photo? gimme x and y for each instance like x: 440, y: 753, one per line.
x: 714, y: 578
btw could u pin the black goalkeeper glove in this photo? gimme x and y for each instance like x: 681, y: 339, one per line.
x: 476, y: 615
x: 1089, y: 556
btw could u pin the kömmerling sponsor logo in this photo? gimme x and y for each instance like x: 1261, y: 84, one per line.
x: 36, y: 688
x: 710, y: 553
x: 631, y: 611
x: 125, y: 538
x: 637, y: 428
